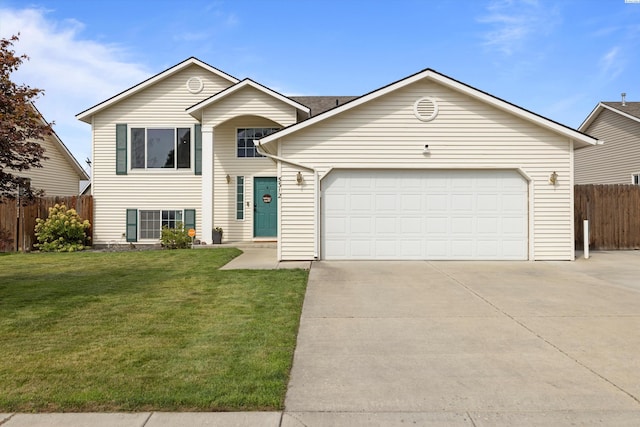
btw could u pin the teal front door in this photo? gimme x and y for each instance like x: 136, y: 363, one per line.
x: 265, y: 207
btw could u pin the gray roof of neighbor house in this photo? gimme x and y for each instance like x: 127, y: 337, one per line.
x: 631, y: 108
x: 320, y: 104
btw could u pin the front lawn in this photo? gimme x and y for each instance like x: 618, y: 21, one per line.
x: 150, y: 330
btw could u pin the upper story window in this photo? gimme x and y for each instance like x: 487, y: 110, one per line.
x: 160, y: 148
x: 245, y: 138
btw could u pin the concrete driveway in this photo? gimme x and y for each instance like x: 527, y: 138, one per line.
x: 469, y: 344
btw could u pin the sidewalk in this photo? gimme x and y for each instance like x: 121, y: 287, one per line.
x: 144, y: 419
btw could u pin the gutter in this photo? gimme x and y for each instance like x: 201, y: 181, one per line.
x: 316, y: 191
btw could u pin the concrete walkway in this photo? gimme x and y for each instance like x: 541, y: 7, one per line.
x: 446, y: 343
x: 259, y: 256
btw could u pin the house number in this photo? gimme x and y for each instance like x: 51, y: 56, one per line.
x: 266, y: 198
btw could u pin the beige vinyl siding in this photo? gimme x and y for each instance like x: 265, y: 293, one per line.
x: 467, y: 134
x: 254, y: 110
x: 57, y: 176
x: 160, y: 105
x: 249, y: 101
x: 615, y: 160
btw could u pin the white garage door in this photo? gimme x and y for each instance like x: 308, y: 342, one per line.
x: 447, y: 215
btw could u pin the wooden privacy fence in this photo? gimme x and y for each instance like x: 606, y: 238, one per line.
x: 613, y: 212
x: 17, y: 223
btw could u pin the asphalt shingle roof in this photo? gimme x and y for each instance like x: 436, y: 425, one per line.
x: 320, y: 104
x: 631, y: 108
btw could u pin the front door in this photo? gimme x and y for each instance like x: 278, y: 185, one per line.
x: 265, y: 207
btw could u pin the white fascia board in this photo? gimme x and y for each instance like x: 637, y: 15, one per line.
x: 592, y: 116
x: 599, y: 109
x: 85, y: 116
x: 572, y: 134
x: 430, y: 74
x: 196, y: 112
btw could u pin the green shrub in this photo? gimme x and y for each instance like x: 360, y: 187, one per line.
x: 175, y: 238
x: 63, y: 231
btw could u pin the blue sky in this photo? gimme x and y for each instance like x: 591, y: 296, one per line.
x: 556, y: 58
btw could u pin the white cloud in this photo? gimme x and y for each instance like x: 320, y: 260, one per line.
x: 513, y: 23
x: 611, y: 63
x: 74, y: 72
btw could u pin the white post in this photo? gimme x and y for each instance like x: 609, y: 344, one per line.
x: 586, y: 238
x: 207, y: 184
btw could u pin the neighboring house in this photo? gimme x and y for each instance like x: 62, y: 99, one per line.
x: 617, y: 161
x: 60, y: 174
x: 423, y: 168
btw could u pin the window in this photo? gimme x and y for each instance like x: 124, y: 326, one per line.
x: 151, y: 222
x: 246, y: 148
x: 240, y: 197
x: 635, y: 178
x: 156, y: 148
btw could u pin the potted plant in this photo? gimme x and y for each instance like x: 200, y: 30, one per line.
x: 217, y: 235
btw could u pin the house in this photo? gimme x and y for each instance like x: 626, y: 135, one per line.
x: 617, y: 161
x: 426, y: 167
x: 60, y: 174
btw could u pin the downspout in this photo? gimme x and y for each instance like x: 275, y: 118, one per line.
x: 316, y: 191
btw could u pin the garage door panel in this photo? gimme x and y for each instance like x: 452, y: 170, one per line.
x: 462, y: 226
x: 488, y: 225
x: 337, y: 225
x: 424, y: 215
x: 411, y: 225
x: 437, y: 203
x: 386, y: 226
x: 385, y: 202
x: 361, y: 202
x: 361, y: 225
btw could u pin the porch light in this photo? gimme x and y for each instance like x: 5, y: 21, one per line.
x: 228, y: 179
x: 553, y: 178
x: 299, y: 178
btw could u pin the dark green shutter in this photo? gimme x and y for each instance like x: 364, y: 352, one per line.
x: 197, y: 139
x: 189, y: 219
x: 132, y: 225
x: 121, y: 149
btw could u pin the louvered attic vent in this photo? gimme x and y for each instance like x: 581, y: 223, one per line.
x: 425, y: 109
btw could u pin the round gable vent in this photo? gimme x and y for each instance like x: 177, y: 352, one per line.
x: 425, y: 109
x: 195, y: 85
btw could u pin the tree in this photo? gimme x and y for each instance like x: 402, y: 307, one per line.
x: 21, y: 125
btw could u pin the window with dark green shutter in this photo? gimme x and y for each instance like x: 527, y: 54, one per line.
x: 132, y: 225
x: 197, y: 139
x: 189, y: 219
x: 121, y: 149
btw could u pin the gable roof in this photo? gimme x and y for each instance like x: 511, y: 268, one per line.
x: 64, y: 150
x: 320, y: 104
x: 630, y: 110
x: 196, y: 110
x: 580, y: 138
x: 85, y: 115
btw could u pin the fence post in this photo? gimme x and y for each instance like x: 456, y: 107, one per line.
x: 586, y: 238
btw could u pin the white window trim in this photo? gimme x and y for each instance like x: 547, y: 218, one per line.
x: 174, y: 170
x: 146, y: 239
x: 235, y: 141
x: 635, y: 177
x: 244, y: 198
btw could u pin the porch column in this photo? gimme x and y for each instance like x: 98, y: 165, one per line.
x: 207, y: 185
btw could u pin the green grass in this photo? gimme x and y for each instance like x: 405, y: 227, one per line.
x: 150, y: 330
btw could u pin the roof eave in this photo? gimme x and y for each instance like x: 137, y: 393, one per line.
x: 196, y: 110
x: 428, y: 73
x: 86, y: 115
